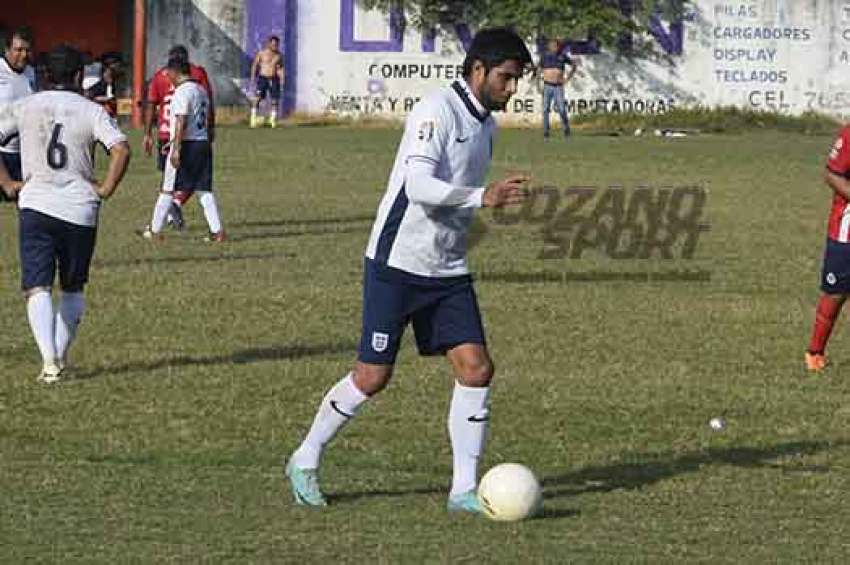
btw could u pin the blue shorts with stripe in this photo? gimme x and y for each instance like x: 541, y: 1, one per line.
x: 835, y: 276
x: 443, y: 311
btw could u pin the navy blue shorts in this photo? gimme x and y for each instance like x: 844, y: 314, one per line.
x: 12, y: 162
x: 268, y: 86
x: 48, y: 243
x: 444, y: 313
x: 196, y: 169
x: 835, y: 277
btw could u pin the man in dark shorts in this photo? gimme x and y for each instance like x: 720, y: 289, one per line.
x: 13, y: 86
x: 835, y: 275
x: 159, y: 95
x: 60, y: 203
x: 189, y: 167
x: 268, y: 71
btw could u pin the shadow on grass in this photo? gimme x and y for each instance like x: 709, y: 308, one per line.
x: 239, y: 357
x: 206, y: 259
x: 348, y: 497
x: 659, y: 467
x: 594, y: 276
x: 317, y: 230
x: 304, y: 222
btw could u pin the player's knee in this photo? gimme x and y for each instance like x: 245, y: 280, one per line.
x: 37, y: 290
x: 372, y: 379
x: 476, y: 373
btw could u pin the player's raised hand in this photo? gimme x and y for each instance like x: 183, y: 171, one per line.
x: 505, y: 192
x: 147, y: 144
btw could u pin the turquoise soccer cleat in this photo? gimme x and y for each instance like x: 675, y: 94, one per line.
x: 466, y: 502
x: 305, y: 486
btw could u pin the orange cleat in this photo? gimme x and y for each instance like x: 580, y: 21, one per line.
x: 815, y: 361
x: 219, y: 237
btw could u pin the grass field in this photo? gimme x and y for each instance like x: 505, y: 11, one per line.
x: 199, y: 367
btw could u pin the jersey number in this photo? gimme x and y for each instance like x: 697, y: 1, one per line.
x: 57, y: 152
x: 202, y: 117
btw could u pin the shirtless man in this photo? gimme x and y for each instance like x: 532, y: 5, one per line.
x: 552, y: 65
x: 267, y: 71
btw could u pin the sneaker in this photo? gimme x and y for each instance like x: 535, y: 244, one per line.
x: 146, y: 233
x: 219, y: 237
x: 305, y: 486
x: 176, y: 218
x: 466, y: 502
x: 815, y: 362
x: 50, y: 374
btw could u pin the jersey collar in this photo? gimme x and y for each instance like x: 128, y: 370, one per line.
x: 10, y: 67
x: 470, y: 101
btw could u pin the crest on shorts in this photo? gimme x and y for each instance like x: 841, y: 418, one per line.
x: 425, y: 131
x: 380, y: 341
x: 831, y: 278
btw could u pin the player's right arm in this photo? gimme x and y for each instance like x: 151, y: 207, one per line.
x: 151, y: 103
x: 839, y: 165
x: 8, y: 129
x: 255, y: 66
x: 429, y: 135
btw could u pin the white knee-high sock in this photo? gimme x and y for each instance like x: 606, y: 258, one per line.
x: 468, y: 416
x: 210, y: 211
x: 40, y: 314
x: 338, y: 407
x: 71, y: 308
x: 160, y: 212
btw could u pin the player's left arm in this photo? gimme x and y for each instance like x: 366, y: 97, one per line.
x: 838, y: 183
x: 574, y: 65
x: 205, y: 82
x: 838, y: 166
x: 177, y: 142
x: 107, y: 132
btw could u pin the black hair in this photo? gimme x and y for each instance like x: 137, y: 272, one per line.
x: 178, y: 64
x: 274, y: 38
x: 178, y: 51
x: 9, y: 35
x: 493, y: 47
x: 64, y: 62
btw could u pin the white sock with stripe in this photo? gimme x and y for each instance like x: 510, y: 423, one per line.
x: 71, y: 308
x: 338, y: 408
x: 468, y: 416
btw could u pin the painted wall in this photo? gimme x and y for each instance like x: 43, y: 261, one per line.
x: 96, y: 28
x: 782, y: 55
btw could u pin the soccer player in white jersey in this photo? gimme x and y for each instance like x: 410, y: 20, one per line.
x: 59, y: 199
x: 189, y: 167
x: 14, y: 85
x: 415, y: 265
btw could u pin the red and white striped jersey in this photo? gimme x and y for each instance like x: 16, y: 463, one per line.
x: 839, y: 164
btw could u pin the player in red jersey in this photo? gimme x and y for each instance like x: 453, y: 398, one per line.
x: 160, y: 92
x: 835, y: 278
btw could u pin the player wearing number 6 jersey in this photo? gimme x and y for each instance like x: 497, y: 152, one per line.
x: 59, y: 199
x: 189, y: 167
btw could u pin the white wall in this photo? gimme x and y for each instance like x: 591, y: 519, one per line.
x: 807, y: 69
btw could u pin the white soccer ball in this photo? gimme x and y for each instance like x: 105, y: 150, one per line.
x: 510, y: 492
